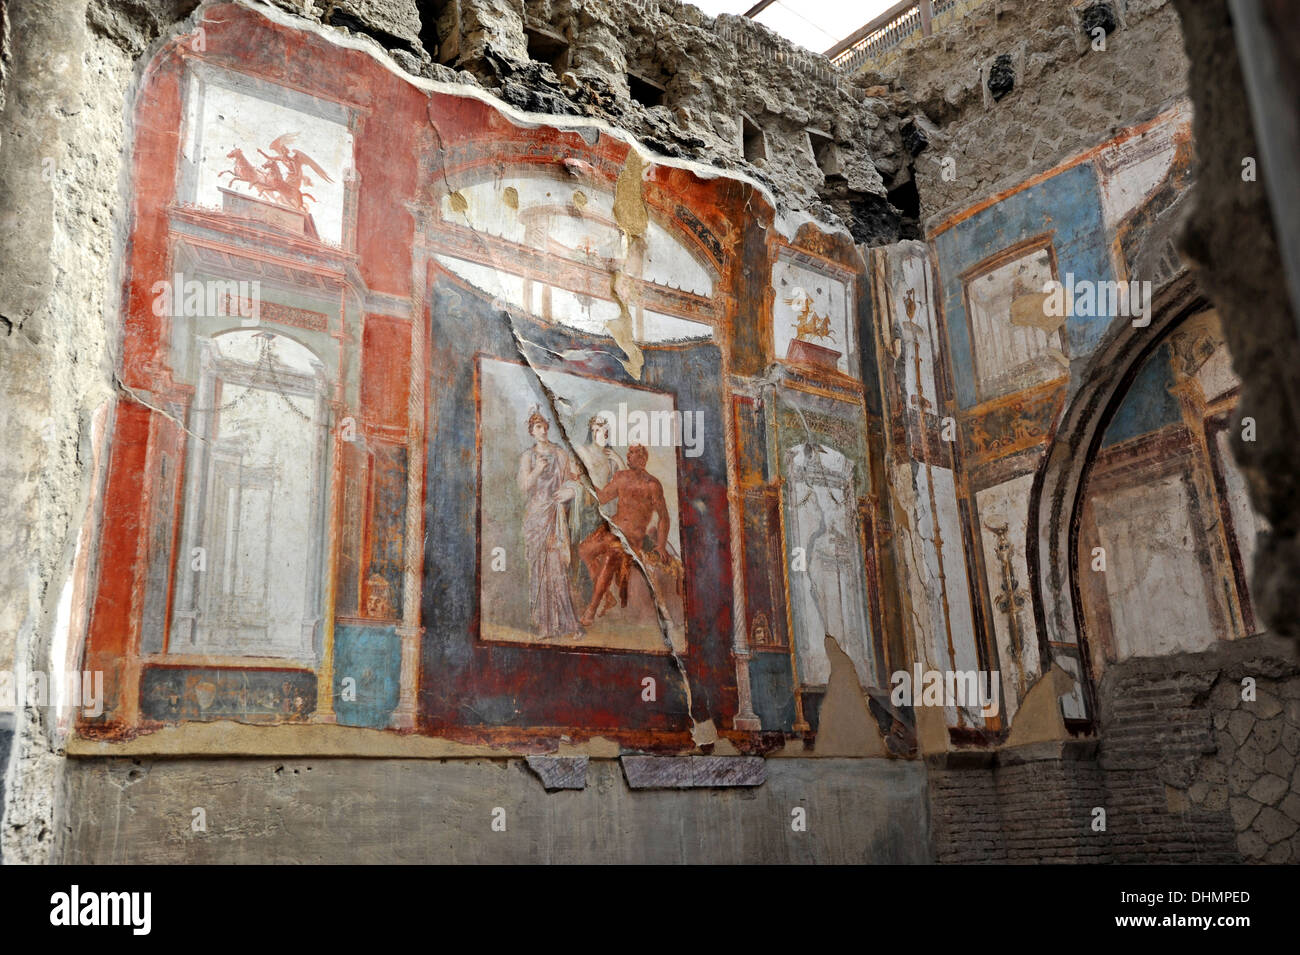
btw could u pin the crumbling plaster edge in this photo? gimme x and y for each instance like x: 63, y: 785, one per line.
x: 788, y: 225
x: 221, y: 738
x: 228, y: 738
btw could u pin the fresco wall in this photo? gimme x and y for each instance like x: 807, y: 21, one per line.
x: 985, y: 332
x: 1167, y: 502
x: 443, y: 421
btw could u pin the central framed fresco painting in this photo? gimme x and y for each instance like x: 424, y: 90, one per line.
x: 554, y: 516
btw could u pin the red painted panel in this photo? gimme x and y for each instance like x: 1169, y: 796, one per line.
x: 385, y: 371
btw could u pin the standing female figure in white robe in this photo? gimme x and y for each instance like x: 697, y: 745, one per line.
x: 547, y: 478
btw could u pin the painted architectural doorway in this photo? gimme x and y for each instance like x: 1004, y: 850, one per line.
x: 251, y: 566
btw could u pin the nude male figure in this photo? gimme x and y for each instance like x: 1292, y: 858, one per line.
x: 640, y: 499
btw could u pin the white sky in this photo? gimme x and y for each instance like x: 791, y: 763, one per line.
x: 815, y: 25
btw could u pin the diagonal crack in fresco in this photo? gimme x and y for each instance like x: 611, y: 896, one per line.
x: 699, y: 732
x: 632, y: 218
x: 127, y: 391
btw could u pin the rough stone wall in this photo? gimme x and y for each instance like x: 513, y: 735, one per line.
x: 1185, y: 769
x: 1241, y: 270
x: 711, y: 72
x: 348, y: 810
x: 61, y: 136
x: 1066, y: 97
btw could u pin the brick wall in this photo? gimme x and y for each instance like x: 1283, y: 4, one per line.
x: 1179, y: 728
x: 1019, y: 804
x: 1184, y: 767
x: 1155, y: 728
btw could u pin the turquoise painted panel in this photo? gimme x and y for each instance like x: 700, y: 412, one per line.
x: 1147, y: 406
x: 372, y: 656
x: 772, y: 690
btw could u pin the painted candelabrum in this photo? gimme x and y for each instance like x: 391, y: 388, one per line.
x: 1011, y: 599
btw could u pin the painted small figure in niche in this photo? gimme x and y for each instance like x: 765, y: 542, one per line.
x: 548, y: 479
x: 281, y: 177
x: 379, y: 602
x: 807, y: 323
x: 641, y: 501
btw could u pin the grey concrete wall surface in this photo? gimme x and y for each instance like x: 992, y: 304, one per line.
x: 422, y: 811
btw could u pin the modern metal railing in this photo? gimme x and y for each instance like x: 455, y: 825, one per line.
x: 888, y: 31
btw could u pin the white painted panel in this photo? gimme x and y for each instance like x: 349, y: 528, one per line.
x: 1154, y: 579
x: 570, y: 219
x: 957, y: 623
x: 1009, y: 355
x: 222, y: 120
x: 1007, y: 505
x: 801, y: 291
x: 828, y: 576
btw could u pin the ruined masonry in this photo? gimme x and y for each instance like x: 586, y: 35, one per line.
x: 618, y: 417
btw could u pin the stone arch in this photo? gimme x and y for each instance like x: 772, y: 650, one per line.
x: 1057, y: 493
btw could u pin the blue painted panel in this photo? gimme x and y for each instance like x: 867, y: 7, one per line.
x: 1147, y: 406
x: 1067, y: 205
x: 770, y: 686
x: 371, y: 655
x: 534, y: 686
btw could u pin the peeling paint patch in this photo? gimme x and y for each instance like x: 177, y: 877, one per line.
x: 629, y: 201
x: 846, y: 727
x: 1039, y: 717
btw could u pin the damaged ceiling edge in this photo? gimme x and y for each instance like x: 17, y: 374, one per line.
x: 787, y: 224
